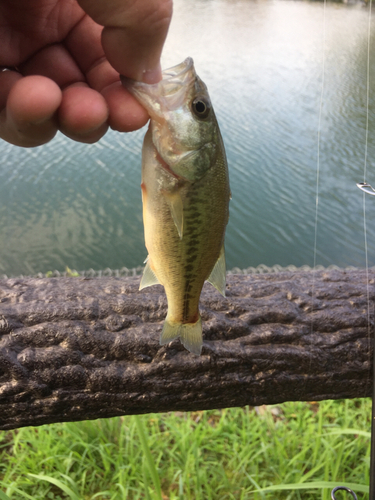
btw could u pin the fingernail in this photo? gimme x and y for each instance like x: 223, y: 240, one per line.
x: 152, y: 75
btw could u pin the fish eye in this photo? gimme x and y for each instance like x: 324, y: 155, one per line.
x: 201, y: 108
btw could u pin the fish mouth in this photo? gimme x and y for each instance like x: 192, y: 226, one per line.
x: 179, y: 72
x: 166, y: 95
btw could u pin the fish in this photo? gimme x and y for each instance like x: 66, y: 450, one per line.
x: 185, y: 197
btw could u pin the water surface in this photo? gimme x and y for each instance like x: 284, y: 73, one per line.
x: 69, y: 204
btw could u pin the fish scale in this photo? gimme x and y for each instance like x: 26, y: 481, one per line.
x: 185, y: 192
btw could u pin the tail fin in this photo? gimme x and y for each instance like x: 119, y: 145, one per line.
x: 190, y: 333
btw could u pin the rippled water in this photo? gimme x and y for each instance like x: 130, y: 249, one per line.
x: 67, y: 204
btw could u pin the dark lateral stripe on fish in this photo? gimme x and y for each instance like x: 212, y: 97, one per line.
x: 195, y: 240
x: 185, y: 313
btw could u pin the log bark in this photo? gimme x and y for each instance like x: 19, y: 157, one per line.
x: 78, y: 348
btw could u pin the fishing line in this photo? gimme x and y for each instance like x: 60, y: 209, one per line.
x: 364, y: 186
x: 372, y: 446
x: 318, y: 160
x: 365, y: 172
x: 367, y: 188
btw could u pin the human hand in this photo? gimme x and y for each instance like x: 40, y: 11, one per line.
x: 65, y: 67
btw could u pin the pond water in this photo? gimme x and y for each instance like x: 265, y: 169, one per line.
x: 69, y: 204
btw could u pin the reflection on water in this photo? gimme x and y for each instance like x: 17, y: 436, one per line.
x: 78, y: 205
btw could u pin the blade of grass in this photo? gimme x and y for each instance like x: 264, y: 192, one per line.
x: 100, y: 494
x: 149, y: 460
x: 315, y: 485
x: 22, y: 493
x: 57, y: 483
x: 258, y: 490
x: 147, y: 493
x: 348, y: 431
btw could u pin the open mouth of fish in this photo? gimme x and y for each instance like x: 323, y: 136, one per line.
x: 166, y: 95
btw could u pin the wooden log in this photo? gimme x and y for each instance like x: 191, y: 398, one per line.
x: 78, y: 348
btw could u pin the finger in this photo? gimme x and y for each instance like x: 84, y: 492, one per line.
x: 84, y: 43
x: 28, y: 26
x: 29, y: 117
x: 125, y: 113
x: 133, y: 35
x: 83, y: 114
x: 85, y: 46
x: 54, y: 62
x: 131, y: 56
x: 7, y: 79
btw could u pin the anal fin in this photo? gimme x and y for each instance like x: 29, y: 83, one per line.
x: 149, y: 278
x: 217, y: 278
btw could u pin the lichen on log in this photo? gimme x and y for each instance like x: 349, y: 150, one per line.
x: 79, y: 348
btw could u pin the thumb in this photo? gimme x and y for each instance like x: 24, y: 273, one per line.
x: 134, y: 34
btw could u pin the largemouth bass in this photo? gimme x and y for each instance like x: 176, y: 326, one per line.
x: 185, y: 194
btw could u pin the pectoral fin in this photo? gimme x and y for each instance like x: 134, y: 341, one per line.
x: 149, y: 278
x: 217, y: 278
x: 177, y: 211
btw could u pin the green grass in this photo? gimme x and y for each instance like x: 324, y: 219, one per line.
x: 292, y: 451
